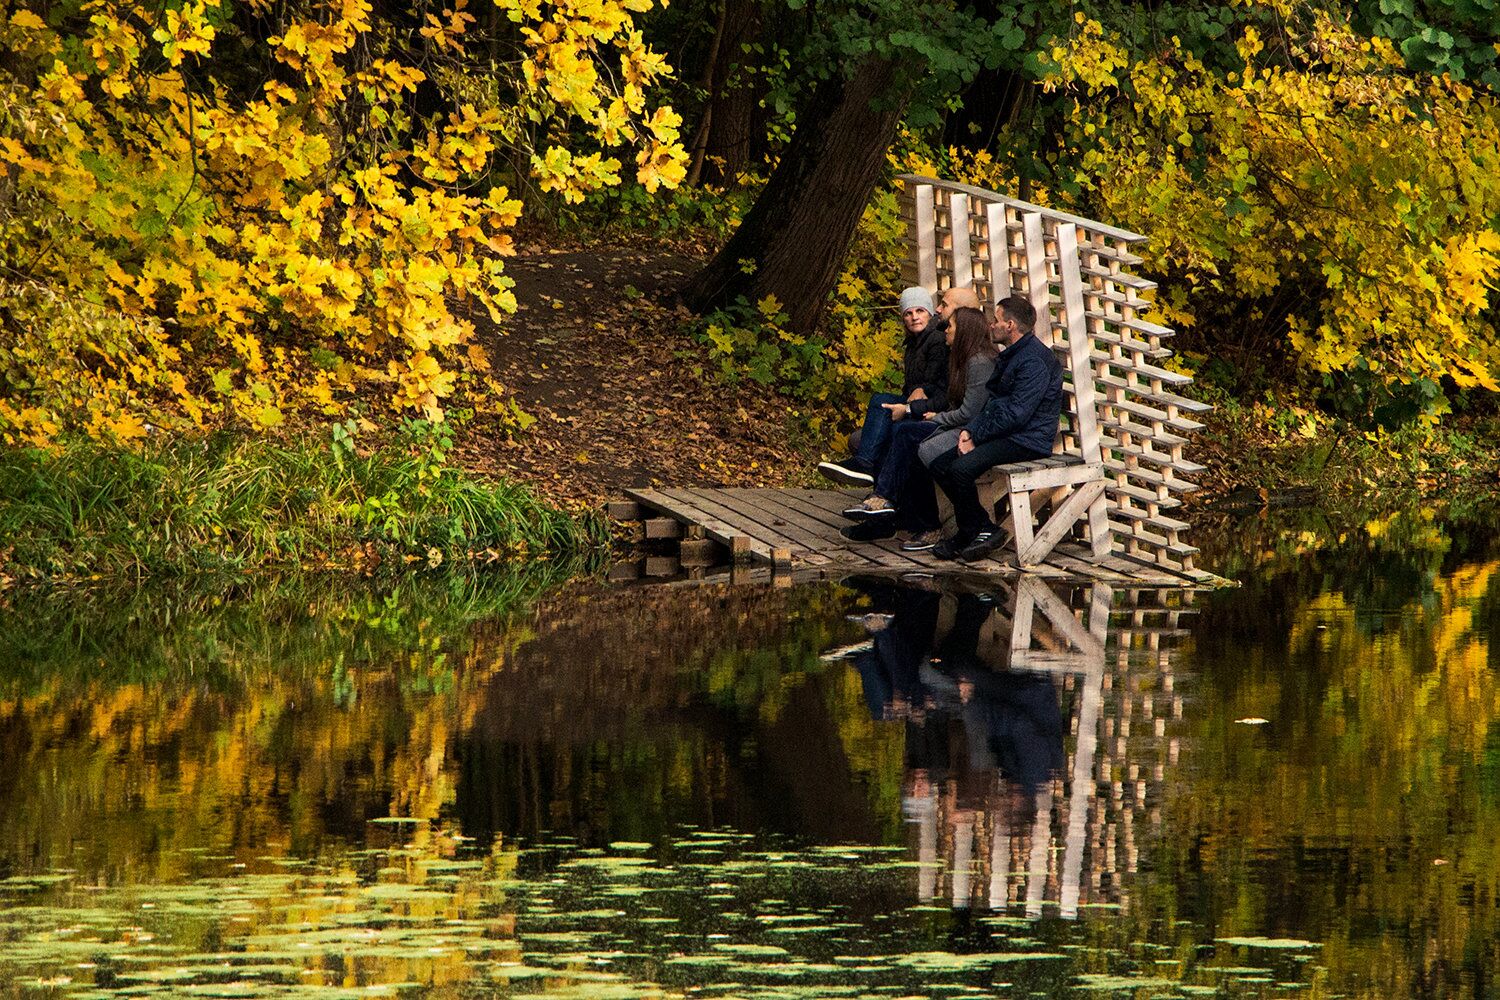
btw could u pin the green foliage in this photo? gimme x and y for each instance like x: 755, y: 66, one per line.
x: 1320, y: 192
x: 228, y: 503
x: 666, y: 212
x: 858, y: 346
x: 1456, y: 37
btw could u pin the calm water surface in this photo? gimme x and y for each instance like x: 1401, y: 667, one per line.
x: 505, y: 788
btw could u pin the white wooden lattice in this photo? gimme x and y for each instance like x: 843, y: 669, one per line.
x: 1133, y: 416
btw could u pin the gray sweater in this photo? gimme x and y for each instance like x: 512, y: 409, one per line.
x: 976, y: 393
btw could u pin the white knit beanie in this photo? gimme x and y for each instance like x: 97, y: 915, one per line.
x: 916, y: 297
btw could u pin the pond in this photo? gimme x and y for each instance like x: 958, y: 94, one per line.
x: 516, y: 786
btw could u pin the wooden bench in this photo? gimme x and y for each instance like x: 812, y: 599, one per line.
x: 1069, y: 489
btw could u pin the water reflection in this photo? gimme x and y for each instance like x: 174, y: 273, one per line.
x: 990, y: 790
x: 505, y: 788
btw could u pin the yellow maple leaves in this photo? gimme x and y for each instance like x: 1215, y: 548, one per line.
x: 1362, y: 195
x: 176, y: 248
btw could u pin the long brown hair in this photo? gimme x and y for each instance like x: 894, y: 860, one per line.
x: 971, y: 336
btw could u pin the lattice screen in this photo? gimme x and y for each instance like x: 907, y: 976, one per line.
x: 1074, y: 271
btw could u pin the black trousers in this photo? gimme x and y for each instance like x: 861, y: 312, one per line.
x: 957, y: 474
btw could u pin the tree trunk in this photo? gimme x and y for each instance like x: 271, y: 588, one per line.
x: 731, y: 109
x: 797, y: 233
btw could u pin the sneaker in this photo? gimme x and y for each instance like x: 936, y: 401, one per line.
x: 871, y: 507
x: 856, y: 512
x: 851, y: 472
x: 946, y: 548
x: 984, y: 543
x: 868, y: 531
x: 921, y: 541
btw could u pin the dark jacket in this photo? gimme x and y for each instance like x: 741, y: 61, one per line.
x: 1025, y: 397
x: 925, y: 365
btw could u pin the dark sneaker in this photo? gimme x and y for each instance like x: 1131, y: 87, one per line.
x: 946, y: 548
x: 983, y: 545
x: 851, y: 472
x: 869, y: 531
x: 922, y: 541
x: 870, y: 508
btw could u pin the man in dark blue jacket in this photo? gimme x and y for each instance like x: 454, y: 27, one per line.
x: 1017, y: 424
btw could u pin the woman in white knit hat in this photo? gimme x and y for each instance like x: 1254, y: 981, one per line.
x: 924, y: 387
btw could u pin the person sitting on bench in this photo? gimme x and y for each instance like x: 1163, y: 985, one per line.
x: 1018, y: 424
x: 971, y: 362
x: 924, y: 387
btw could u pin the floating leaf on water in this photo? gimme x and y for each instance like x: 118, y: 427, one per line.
x: 1260, y: 942
x: 1096, y: 981
x: 947, y: 961
x: 750, y: 949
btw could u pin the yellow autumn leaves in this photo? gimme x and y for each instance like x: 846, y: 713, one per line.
x: 1318, y: 180
x: 176, y: 251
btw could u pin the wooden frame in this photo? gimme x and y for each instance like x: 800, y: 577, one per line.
x: 1127, y: 416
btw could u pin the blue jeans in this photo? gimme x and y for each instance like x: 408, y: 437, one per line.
x: 875, y: 435
x: 901, y: 455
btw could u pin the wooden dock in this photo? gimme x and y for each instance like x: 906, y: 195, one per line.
x: 797, y: 530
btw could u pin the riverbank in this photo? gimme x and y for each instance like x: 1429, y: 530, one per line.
x: 607, y: 386
x: 232, y: 504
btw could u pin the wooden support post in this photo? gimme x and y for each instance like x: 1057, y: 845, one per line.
x: 663, y: 527
x: 925, y: 226
x: 624, y: 510
x: 963, y: 251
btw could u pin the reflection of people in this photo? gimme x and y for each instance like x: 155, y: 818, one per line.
x: 982, y: 741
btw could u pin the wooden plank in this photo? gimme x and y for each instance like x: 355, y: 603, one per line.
x: 663, y: 527
x: 958, y: 231
x: 624, y: 571
x: 1051, y: 478
x: 623, y: 510
x: 1036, y: 273
x: 741, y: 546
x: 809, y: 531
x: 699, y: 552
x: 662, y: 565
x: 1000, y: 283
x: 710, y: 503
x: 925, y: 209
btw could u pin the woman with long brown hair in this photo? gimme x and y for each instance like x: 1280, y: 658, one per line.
x: 971, y: 360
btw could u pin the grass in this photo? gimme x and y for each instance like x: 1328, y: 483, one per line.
x: 230, y: 503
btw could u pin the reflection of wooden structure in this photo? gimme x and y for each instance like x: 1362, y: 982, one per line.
x: 1082, y: 833
x: 1075, y: 272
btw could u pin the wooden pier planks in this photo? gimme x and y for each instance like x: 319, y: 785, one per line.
x: 798, y: 529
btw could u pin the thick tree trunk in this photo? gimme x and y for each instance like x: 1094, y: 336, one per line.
x: 797, y: 233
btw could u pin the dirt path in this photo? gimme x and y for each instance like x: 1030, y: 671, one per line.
x: 615, y: 383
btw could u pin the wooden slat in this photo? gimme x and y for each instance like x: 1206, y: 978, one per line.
x: 926, y: 236
x: 1000, y: 283
x: 958, y: 229
x: 778, y: 542
x: 740, y: 544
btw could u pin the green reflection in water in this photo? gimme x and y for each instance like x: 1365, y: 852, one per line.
x: 672, y: 793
